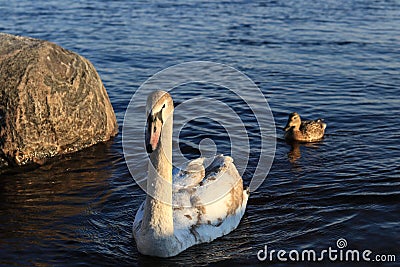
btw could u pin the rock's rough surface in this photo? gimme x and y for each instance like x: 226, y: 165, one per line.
x: 52, y: 102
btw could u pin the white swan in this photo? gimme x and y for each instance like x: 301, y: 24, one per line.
x: 207, y: 202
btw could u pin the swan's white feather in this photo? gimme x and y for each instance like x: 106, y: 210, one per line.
x: 208, y: 199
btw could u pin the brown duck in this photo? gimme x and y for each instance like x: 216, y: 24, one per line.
x: 303, y: 131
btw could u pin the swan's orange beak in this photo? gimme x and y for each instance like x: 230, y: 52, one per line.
x: 153, y: 132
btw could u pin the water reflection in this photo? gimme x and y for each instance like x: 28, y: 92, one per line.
x: 51, y: 203
x: 294, y: 154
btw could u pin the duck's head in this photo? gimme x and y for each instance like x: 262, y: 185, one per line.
x: 294, y: 120
x: 159, y: 108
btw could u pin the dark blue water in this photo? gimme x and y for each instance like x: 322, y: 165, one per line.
x: 339, y: 60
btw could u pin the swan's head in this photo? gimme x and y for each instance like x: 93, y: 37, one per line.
x: 294, y: 120
x: 159, y: 109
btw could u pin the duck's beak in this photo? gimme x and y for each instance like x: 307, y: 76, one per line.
x: 287, y: 127
x: 153, y: 132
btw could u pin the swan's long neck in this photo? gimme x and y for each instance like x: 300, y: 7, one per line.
x: 157, y: 218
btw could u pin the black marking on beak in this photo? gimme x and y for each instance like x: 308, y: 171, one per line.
x: 149, y: 149
x: 151, y: 128
x: 158, y: 115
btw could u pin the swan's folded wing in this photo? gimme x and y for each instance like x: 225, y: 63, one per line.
x: 221, y: 192
x: 189, y: 176
x: 200, y: 171
x: 215, y: 206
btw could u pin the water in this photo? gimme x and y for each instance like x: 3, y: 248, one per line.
x: 339, y: 60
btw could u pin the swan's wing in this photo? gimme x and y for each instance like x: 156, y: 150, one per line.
x: 220, y: 193
x: 189, y: 176
x: 212, y: 208
x: 200, y: 171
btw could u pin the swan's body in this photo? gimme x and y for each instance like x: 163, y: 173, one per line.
x: 207, y: 197
x: 304, y: 131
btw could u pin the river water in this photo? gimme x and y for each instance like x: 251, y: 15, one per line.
x: 338, y: 60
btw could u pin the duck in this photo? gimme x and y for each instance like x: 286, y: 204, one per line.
x: 186, y: 206
x: 304, y: 131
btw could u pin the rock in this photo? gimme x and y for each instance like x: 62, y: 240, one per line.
x: 52, y: 102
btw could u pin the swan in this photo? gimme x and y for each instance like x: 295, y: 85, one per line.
x: 199, y: 203
x: 303, y: 131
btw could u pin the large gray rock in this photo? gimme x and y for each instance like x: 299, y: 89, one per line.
x: 52, y: 102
